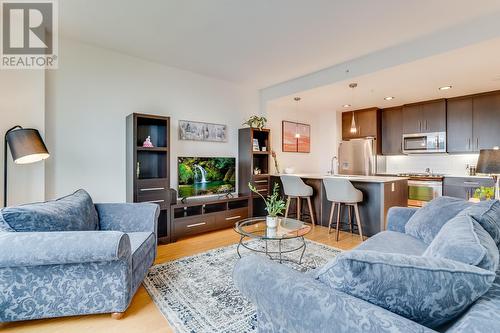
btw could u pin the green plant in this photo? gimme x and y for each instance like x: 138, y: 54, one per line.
x: 484, y: 193
x: 256, y: 122
x: 274, y: 204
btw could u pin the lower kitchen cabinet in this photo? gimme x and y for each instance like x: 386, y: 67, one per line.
x: 464, y: 187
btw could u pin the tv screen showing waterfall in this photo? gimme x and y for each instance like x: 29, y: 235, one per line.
x: 206, y: 176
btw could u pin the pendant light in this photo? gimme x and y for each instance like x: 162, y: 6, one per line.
x: 297, y: 134
x: 353, y: 129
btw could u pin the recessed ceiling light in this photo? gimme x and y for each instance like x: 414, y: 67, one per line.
x: 389, y: 98
x: 346, y: 105
x: 445, y: 88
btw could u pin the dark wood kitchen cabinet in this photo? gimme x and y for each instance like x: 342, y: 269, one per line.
x: 459, y: 128
x: 486, y: 121
x: 392, y: 131
x: 426, y: 117
x: 367, y: 123
x: 464, y: 187
x: 473, y: 123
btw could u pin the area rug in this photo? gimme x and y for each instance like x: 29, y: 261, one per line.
x: 197, y: 294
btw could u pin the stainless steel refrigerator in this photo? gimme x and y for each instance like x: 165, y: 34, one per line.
x: 359, y: 157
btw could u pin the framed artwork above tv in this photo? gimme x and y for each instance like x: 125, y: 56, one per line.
x: 296, y: 137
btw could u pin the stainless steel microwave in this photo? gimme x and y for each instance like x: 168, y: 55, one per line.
x: 422, y: 143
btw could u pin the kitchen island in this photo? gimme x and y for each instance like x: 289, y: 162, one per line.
x: 379, y: 194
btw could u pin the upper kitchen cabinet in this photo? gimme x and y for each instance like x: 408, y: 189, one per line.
x: 427, y: 117
x: 434, y: 116
x: 367, y: 122
x: 459, y: 128
x: 412, y: 118
x: 473, y: 123
x: 392, y: 131
x: 486, y: 121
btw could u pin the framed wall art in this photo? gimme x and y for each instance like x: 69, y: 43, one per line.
x: 199, y: 131
x: 296, y: 137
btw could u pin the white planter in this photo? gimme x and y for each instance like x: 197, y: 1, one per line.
x: 271, y: 222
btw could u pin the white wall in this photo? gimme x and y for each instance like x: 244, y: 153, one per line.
x: 92, y: 92
x: 22, y: 102
x: 324, y: 139
x: 448, y: 164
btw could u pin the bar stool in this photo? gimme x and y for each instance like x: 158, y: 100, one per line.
x: 295, y: 188
x: 341, y: 192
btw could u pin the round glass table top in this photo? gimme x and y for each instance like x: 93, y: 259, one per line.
x: 287, y: 228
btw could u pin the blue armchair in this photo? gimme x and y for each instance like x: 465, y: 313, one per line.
x: 46, y: 274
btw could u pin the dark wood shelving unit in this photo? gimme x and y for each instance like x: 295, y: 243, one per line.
x: 248, y: 160
x: 199, y: 215
x: 148, y: 168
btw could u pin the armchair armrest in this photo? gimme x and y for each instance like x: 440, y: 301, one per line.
x: 295, y: 302
x: 128, y: 217
x: 66, y: 247
x: 397, y: 217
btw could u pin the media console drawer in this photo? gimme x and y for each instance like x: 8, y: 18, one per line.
x: 193, y: 225
x: 229, y: 218
x: 160, y: 197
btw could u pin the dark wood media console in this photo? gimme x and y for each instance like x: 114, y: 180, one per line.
x: 201, y: 215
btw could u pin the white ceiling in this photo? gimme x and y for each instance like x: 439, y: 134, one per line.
x: 260, y: 42
x: 469, y: 70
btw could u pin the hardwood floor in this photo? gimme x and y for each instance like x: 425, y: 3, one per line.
x: 142, y: 315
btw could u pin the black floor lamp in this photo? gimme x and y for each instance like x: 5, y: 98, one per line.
x: 26, y: 146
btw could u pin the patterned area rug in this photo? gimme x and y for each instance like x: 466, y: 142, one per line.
x: 196, y: 294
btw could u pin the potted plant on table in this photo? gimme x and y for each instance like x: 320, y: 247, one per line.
x: 274, y: 205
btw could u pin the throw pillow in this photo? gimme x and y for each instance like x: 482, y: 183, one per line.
x: 463, y: 239
x: 487, y: 214
x: 430, y: 291
x: 75, y: 212
x: 428, y: 220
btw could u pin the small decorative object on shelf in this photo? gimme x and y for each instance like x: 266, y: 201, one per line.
x: 147, y: 143
x: 256, y: 146
x: 276, y: 165
x: 256, y: 122
x: 274, y: 205
x: 257, y: 171
x: 264, y: 148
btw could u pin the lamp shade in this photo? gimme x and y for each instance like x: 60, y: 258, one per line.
x: 489, y: 162
x: 26, y: 146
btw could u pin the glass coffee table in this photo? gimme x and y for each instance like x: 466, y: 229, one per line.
x: 287, y: 229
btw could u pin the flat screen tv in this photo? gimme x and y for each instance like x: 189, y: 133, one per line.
x: 206, y: 176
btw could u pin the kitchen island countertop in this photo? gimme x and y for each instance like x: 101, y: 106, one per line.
x: 353, y: 178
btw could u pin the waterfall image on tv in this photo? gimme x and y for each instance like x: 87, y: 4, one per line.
x: 206, y: 176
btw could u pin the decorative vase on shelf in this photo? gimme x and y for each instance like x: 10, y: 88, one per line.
x: 271, y: 222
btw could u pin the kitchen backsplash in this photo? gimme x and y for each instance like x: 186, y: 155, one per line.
x: 454, y: 165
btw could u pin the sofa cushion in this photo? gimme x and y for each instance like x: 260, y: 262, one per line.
x: 428, y: 220
x: 463, y: 239
x: 393, y: 242
x: 483, y: 315
x: 487, y: 214
x: 75, y: 212
x: 430, y: 291
x: 4, y: 227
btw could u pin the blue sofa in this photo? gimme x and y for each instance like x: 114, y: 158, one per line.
x: 70, y: 257
x: 291, y: 301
